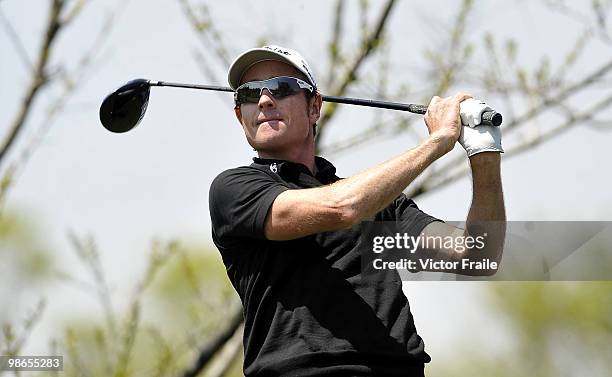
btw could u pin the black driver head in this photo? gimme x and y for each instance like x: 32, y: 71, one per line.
x: 123, y: 109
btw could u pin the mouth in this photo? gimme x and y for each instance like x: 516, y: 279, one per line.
x: 260, y: 121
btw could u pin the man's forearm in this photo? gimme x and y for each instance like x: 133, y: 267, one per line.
x: 487, y: 214
x: 370, y: 191
x: 487, y: 194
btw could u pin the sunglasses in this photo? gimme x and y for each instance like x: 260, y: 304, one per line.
x: 280, y: 87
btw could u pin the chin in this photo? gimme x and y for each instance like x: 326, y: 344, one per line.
x: 267, y: 134
x: 268, y: 144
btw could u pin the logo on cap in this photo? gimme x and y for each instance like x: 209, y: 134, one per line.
x: 276, y: 49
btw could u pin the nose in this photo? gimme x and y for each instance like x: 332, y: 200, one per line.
x: 266, y: 99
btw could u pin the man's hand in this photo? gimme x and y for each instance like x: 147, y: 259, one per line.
x: 442, y: 120
x: 475, y: 137
x: 480, y: 139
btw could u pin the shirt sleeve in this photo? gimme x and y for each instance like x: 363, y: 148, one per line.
x: 239, y: 200
x: 409, y: 217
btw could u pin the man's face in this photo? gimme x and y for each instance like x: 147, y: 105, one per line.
x: 277, y: 125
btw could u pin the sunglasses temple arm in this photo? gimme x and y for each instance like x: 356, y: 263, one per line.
x: 489, y: 118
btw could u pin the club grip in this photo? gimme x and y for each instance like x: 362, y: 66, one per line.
x: 489, y: 118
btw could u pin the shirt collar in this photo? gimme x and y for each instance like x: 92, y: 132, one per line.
x: 325, y: 170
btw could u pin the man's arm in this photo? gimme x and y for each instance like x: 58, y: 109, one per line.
x: 298, y: 213
x: 486, y: 216
x: 487, y: 195
x: 301, y: 212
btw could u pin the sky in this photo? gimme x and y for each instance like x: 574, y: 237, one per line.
x: 126, y: 189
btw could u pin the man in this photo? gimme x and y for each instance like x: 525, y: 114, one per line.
x: 289, y: 230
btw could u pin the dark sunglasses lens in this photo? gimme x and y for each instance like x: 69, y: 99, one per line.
x: 248, y: 94
x: 284, y: 88
x: 280, y: 87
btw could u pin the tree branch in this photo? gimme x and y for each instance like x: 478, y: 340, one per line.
x: 39, y: 78
x: 601, y: 125
x: 572, y: 120
x: 204, y: 27
x: 71, y: 82
x: 560, y: 97
x: 334, y: 44
x: 445, y: 80
x: 210, y: 75
x: 368, y: 46
x: 437, y: 181
x: 221, y: 364
x: 74, y: 12
x: 379, y: 130
x: 16, y: 41
x: 210, y: 349
x: 448, y: 72
x: 89, y: 255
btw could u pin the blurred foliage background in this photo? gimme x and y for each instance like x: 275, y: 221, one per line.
x: 182, y: 316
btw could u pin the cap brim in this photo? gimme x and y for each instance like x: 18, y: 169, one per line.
x: 246, y: 60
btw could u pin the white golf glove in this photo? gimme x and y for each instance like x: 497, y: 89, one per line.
x: 476, y: 138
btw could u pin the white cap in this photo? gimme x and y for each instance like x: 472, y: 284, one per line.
x: 256, y: 55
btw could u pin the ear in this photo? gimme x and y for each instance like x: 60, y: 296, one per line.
x: 238, y: 114
x: 314, y: 112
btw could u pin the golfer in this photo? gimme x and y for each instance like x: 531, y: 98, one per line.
x: 289, y: 230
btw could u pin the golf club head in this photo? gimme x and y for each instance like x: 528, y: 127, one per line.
x: 124, y: 108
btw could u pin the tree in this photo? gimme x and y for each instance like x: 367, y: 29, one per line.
x: 548, y: 90
x: 45, y: 74
x: 558, y: 328
x: 453, y: 64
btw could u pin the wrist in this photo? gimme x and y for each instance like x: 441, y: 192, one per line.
x: 440, y: 145
x: 486, y: 170
x: 485, y: 160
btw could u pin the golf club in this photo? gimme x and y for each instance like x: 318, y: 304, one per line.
x: 124, y: 108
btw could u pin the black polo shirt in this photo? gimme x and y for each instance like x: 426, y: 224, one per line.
x: 308, y: 309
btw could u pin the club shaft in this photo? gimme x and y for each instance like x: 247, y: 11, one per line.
x: 191, y: 86
x: 410, y: 107
x: 490, y: 118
